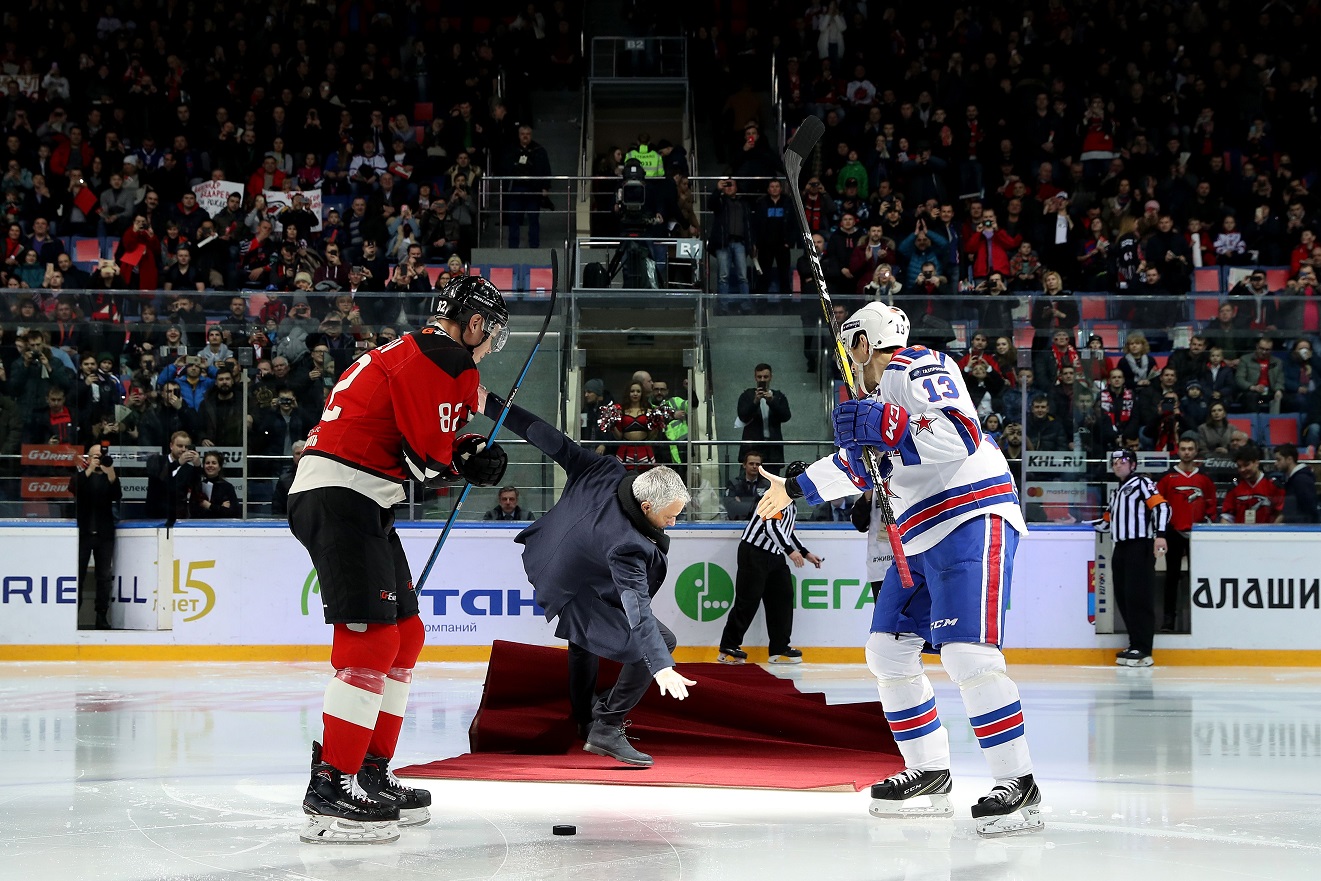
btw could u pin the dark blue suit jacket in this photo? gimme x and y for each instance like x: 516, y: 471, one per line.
x: 593, y: 559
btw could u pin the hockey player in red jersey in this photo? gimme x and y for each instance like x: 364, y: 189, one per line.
x: 395, y: 414
x: 1192, y: 497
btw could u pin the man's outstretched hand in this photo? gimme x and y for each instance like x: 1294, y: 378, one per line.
x: 672, y: 683
x: 774, y: 500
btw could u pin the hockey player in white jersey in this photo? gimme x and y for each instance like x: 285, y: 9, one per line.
x: 960, y: 523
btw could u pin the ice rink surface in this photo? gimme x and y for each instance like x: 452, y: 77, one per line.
x: 128, y: 772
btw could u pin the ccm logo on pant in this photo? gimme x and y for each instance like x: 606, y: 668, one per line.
x: 946, y: 622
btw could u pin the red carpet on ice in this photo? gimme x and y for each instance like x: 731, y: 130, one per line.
x: 740, y: 727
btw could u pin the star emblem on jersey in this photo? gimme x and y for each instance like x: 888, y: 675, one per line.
x: 923, y: 423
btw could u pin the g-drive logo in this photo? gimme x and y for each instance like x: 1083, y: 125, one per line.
x: 704, y: 592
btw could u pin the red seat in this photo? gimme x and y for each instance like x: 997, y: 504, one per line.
x: 86, y: 250
x: 433, y: 273
x: 1283, y: 430
x: 500, y: 276
x: 540, y: 280
x: 1110, y: 331
x: 1207, y: 280
x: 423, y: 112
x: 1205, y: 307
x: 1276, y: 278
x: 1023, y: 337
x: 797, y: 283
x: 1094, y: 309
x: 1241, y: 423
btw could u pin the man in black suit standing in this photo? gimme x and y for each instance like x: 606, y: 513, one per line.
x: 761, y: 412
x: 596, y: 559
x: 172, y: 478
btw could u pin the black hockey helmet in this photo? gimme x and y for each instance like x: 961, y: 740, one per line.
x: 473, y: 295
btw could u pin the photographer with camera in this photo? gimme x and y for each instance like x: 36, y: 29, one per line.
x: 991, y: 247
x: 761, y: 412
x: 995, y: 308
x: 462, y: 210
x: 36, y: 370
x: 172, y: 479
x: 96, y: 489
x: 730, y: 235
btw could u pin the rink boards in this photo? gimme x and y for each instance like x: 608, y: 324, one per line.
x: 248, y: 592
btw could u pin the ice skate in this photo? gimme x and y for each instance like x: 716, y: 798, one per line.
x: 901, y: 795
x: 1011, y: 808
x: 732, y: 656
x: 1134, y: 658
x: 339, y: 811
x: 788, y: 656
x: 380, y: 784
x: 612, y: 741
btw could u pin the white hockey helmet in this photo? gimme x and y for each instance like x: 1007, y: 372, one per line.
x: 886, y: 327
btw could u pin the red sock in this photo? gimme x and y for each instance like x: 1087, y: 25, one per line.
x: 351, y: 710
x: 395, y: 697
x: 353, y: 698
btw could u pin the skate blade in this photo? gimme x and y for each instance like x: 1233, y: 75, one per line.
x: 414, y: 816
x: 781, y: 659
x: 939, y: 806
x: 731, y: 660
x: 336, y: 830
x: 1023, y: 822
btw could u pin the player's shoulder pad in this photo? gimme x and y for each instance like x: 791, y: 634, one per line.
x: 447, y: 354
x: 919, y: 361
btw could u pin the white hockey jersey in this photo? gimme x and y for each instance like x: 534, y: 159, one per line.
x: 944, y: 471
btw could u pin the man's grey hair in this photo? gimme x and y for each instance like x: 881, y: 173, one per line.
x: 661, y: 486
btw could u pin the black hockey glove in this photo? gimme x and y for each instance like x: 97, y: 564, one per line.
x: 478, y: 464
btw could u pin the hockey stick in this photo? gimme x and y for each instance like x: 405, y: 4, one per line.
x: 797, y: 150
x: 509, y: 400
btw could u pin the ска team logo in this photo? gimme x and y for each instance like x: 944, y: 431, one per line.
x: 704, y: 592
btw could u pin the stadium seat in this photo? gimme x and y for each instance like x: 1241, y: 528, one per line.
x: 1095, y: 308
x: 1205, y: 308
x: 1110, y: 331
x: 1276, y: 278
x: 86, y: 250
x: 797, y: 283
x: 1023, y: 337
x: 1241, y: 423
x: 1208, y: 280
x: 433, y: 273
x: 502, y: 276
x: 539, y: 281
x: 1282, y: 430
x: 423, y: 112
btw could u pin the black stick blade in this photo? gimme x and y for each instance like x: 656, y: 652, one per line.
x: 805, y: 139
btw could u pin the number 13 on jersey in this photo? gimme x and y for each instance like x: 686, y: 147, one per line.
x: 947, y: 388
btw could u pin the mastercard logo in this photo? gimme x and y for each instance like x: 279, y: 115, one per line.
x: 1035, y: 492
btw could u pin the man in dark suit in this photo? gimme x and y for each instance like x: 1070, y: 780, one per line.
x: 596, y: 559
x: 509, y: 508
x: 172, y: 478
x: 761, y: 412
x: 96, y: 488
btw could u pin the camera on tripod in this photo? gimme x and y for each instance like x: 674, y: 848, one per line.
x: 633, y: 216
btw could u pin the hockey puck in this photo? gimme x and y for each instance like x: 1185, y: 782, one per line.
x: 564, y: 830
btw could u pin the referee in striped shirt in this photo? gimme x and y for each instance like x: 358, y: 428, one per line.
x: 1137, y: 519
x: 763, y: 579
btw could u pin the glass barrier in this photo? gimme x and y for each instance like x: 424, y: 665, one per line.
x: 639, y: 57
x: 1243, y: 371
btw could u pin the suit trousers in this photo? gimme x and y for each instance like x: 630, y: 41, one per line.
x: 762, y: 580
x: 611, y: 707
x: 100, y: 548
x: 1134, y: 567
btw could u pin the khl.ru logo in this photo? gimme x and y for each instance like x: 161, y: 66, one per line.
x: 704, y: 591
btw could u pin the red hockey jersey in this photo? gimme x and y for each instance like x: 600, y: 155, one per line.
x: 1264, y: 498
x: 393, y: 415
x: 1192, y: 498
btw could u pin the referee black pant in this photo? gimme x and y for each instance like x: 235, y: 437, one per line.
x: 763, y: 579
x: 1134, y: 569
